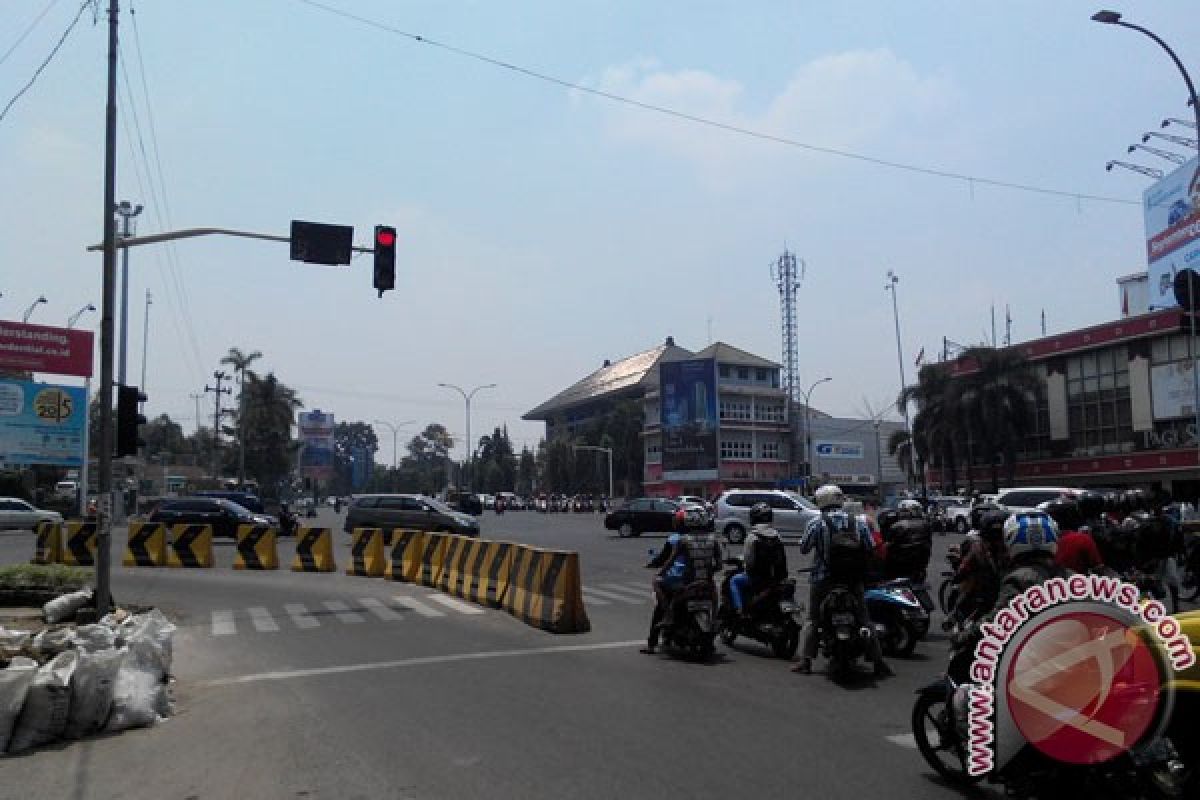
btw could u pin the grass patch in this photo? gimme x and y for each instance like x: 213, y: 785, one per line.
x: 55, y: 576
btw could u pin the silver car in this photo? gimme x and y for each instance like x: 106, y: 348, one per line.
x: 791, y: 512
x: 16, y: 514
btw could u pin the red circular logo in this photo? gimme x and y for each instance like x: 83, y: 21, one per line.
x: 1084, y: 687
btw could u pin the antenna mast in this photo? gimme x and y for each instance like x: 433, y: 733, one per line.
x: 787, y: 272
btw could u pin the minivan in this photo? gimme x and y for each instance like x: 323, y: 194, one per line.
x: 792, y: 513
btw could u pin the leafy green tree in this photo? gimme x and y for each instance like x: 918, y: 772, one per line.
x: 349, y: 437
x: 270, y: 409
x: 241, y: 366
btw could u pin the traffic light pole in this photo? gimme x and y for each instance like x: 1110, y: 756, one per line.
x: 104, y: 479
x: 189, y: 233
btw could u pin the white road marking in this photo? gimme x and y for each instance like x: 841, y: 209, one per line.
x: 642, y: 593
x: 342, y: 611
x: 416, y: 605
x: 454, y: 604
x: 623, y: 598
x: 380, y: 610
x: 223, y: 624
x: 640, y: 589
x: 300, y: 616
x: 417, y: 662
x: 593, y: 599
x: 903, y: 740
x: 262, y: 619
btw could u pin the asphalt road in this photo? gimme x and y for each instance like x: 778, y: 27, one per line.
x: 295, y: 685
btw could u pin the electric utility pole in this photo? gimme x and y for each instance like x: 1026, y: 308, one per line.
x: 217, y: 390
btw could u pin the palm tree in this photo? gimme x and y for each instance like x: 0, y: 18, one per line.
x: 900, y: 446
x: 937, y: 425
x: 997, y: 404
x: 241, y: 362
x: 270, y: 412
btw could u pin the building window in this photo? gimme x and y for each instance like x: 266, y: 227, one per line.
x: 760, y: 375
x: 768, y: 413
x: 653, y: 453
x: 736, y: 449
x: 769, y: 450
x: 735, y: 410
x: 743, y: 373
x: 723, y: 370
x: 1099, y: 414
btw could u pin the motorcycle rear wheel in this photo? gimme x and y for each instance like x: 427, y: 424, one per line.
x: 932, y: 715
x: 786, y: 645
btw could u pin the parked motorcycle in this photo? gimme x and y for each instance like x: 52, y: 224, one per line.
x: 775, y: 619
x: 690, y: 625
x: 899, y: 618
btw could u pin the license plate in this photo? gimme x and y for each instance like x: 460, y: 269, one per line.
x: 699, y: 605
x: 788, y: 608
x: 843, y: 619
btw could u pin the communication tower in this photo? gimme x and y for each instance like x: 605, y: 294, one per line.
x: 787, y: 272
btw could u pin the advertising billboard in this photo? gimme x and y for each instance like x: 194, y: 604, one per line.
x: 1171, y: 209
x: 1172, y: 390
x: 42, y: 423
x: 316, y: 434
x: 41, y: 348
x: 688, y: 399
x: 838, y: 449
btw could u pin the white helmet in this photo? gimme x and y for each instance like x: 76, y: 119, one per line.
x: 911, y: 507
x: 1029, y: 533
x: 829, y: 496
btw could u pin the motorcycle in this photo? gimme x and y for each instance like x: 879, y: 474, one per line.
x: 843, y: 640
x: 899, y: 618
x: 287, y: 522
x: 689, y: 626
x: 775, y: 618
x: 940, y: 719
x: 948, y: 592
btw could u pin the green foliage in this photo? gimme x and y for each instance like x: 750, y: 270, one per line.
x: 55, y: 576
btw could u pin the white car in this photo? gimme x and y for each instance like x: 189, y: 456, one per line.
x: 16, y: 514
x: 1028, y: 498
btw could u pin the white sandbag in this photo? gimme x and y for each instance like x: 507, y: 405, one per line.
x: 46, y: 705
x: 92, y: 688
x: 14, y: 685
x: 139, y: 694
x: 93, y: 638
x: 63, y: 608
x: 12, y: 642
x: 154, y: 628
x: 52, y: 642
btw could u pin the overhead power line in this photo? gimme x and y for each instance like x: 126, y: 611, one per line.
x: 27, y: 31
x: 712, y: 123
x: 46, y: 62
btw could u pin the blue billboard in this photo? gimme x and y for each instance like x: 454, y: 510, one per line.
x: 688, y: 397
x: 42, y: 423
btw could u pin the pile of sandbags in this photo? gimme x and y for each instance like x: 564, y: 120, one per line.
x: 108, y: 677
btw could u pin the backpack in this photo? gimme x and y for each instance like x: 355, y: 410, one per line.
x: 769, y: 558
x: 701, y: 554
x: 847, y: 557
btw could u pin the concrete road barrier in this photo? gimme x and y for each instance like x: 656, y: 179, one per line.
x: 79, y: 547
x: 256, y: 547
x: 48, y: 546
x: 544, y: 590
x: 366, y: 553
x: 404, y: 555
x: 314, y: 551
x: 432, y: 559
x: 190, y: 546
x: 476, y: 569
x: 146, y: 545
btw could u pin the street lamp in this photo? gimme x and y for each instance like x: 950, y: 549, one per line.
x: 71, y: 320
x: 395, y: 429
x: 607, y: 450
x: 890, y: 286
x: 808, y: 430
x: 469, y: 455
x: 32, y: 306
x: 1174, y: 158
x: 1114, y: 18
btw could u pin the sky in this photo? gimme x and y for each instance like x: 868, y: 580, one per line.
x: 543, y: 229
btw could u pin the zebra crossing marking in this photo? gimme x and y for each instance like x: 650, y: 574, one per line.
x: 343, y: 612
x: 262, y: 619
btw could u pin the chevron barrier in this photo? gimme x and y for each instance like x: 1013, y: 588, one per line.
x: 47, y: 546
x: 404, y: 554
x: 432, y: 558
x: 366, y: 553
x: 256, y: 547
x: 79, y: 545
x: 477, y: 570
x: 314, y: 551
x: 190, y: 546
x: 146, y: 545
x: 544, y: 590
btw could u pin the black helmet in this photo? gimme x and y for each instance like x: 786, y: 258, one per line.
x: 1135, y: 500
x: 977, y: 513
x: 1065, y: 512
x: 761, y: 514
x: 991, y: 524
x: 1091, y: 504
x: 1112, y: 502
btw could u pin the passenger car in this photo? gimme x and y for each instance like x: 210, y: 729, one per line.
x: 408, y: 511
x: 642, y: 515
x: 16, y: 514
x: 246, y: 500
x: 1028, y: 498
x: 956, y: 509
x: 223, y: 515
x: 792, y: 513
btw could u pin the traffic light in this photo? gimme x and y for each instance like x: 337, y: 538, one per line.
x: 128, y: 420
x: 385, y: 258
x: 318, y: 243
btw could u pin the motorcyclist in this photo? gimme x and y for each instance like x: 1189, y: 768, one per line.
x: 1077, y: 550
x: 1031, y: 539
x: 818, y: 537
x: 1157, y: 540
x: 764, y: 557
x: 287, y: 520
x: 689, y: 554
x: 909, y: 543
x: 979, y: 572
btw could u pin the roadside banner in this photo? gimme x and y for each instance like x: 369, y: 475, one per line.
x: 43, y: 348
x: 42, y: 423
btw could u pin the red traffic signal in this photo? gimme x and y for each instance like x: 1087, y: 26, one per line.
x: 385, y: 258
x: 385, y: 237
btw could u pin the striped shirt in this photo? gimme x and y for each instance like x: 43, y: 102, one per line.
x: 817, y: 534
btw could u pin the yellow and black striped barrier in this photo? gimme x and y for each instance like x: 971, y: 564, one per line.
x: 314, y: 551
x: 190, y: 546
x: 79, y: 549
x: 366, y: 553
x: 404, y: 555
x: 48, y: 546
x: 432, y: 558
x: 146, y: 545
x: 544, y: 590
x: 256, y: 548
x: 477, y: 570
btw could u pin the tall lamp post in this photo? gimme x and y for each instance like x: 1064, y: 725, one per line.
x: 469, y: 456
x: 1114, y: 18
x: 395, y: 429
x: 607, y: 450
x: 127, y: 212
x: 890, y: 286
x: 83, y: 466
x: 71, y: 320
x: 808, y: 431
x: 29, y: 311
